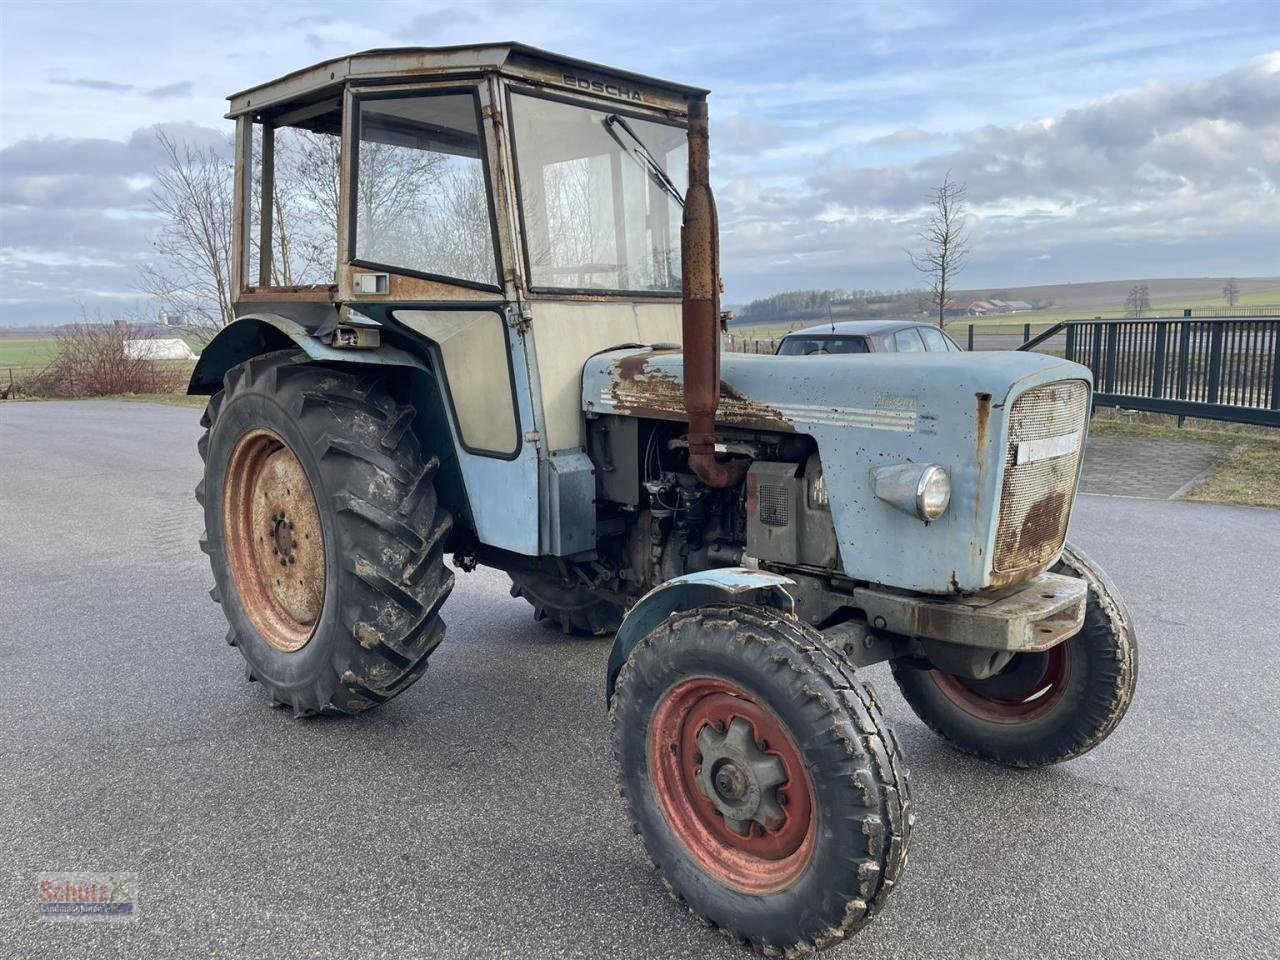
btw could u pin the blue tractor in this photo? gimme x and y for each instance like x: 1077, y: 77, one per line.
x: 477, y: 316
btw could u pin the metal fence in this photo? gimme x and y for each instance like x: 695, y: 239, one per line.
x: 1206, y: 366
x: 1217, y: 369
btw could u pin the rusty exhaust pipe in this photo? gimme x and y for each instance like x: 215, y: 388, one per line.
x: 700, y: 311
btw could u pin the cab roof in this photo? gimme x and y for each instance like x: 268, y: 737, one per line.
x: 540, y: 67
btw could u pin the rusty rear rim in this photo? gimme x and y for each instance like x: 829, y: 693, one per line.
x: 732, y: 785
x: 1025, y: 689
x: 274, y: 542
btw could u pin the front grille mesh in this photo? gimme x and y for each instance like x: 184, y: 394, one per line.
x: 1035, y: 503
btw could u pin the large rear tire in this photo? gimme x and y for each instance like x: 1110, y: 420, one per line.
x: 1042, y: 708
x: 324, y: 533
x: 574, y: 608
x: 766, y: 785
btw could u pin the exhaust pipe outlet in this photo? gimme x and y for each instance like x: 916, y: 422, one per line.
x: 700, y: 311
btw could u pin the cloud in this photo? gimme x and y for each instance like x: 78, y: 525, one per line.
x: 904, y: 137
x: 89, y: 83
x: 168, y: 90
x: 1159, y: 165
x: 76, y: 220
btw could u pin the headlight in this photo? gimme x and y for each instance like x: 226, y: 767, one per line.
x: 923, y: 490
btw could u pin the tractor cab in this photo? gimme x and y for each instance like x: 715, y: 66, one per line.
x: 516, y: 210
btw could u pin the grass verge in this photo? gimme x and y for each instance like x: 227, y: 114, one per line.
x: 170, y: 399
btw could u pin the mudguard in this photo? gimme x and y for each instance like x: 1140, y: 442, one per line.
x: 258, y: 333
x: 720, y: 585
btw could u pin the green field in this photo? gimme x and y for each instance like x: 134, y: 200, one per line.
x: 1159, y: 308
x: 19, y: 352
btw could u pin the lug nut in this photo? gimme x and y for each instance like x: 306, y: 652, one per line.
x: 763, y: 745
x: 783, y: 799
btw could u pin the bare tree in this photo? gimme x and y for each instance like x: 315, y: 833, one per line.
x: 1231, y: 292
x: 414, y: 210
x: 1138, y: 302
x: 192, y: 197
x: 945, y: 239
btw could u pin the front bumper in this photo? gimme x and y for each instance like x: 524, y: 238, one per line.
x: 1034, y: 615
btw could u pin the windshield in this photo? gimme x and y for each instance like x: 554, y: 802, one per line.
x: 803, y: 346
x: 599, y: 197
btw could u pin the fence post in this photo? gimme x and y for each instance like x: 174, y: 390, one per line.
x: 1215, y: 361
x: 1157, y: 376
x: 1275, y: 365
x: 1184, y: 348
x: 1026, y: 332
x: 1109, y: 369
x: 971, y: 337
x: 1071, y: 341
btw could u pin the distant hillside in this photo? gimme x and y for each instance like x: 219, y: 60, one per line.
x: 1054, y: 302
x: 1109, y: 295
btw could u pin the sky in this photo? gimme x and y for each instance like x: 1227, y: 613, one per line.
x: 1097, y: 141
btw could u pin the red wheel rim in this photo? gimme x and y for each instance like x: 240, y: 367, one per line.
x: 777, y: 847
x: 274, y: 541
x: 1024, y: 690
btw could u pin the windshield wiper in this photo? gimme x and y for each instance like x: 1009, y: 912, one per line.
x: 643, y: 156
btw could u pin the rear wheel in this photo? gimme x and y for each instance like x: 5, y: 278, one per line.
x: 574, y: 608
x: 324, y: 534
x: 1042, y: 708
x: 762, y: 777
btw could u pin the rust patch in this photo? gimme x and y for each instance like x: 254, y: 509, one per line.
x: 642, y: 390
x: 1044, y: 520
x: 984, y: 420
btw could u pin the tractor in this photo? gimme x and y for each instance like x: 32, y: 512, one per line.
x: 477, y: 317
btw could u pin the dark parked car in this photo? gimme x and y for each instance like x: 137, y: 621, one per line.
x: 867, y: 336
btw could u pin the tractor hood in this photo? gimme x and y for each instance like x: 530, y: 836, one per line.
x: 865, y: 412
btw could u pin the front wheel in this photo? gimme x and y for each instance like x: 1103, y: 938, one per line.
x: 1045, y: 707
x: 766, y: 785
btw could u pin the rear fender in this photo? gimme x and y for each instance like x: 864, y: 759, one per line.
x: 255, y: 334
x: 721, y: 585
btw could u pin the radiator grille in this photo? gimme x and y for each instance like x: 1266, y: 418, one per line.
x: 1035, y: 503
x: 775, y: 504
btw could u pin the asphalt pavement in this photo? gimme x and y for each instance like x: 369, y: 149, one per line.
x: 476, y: 816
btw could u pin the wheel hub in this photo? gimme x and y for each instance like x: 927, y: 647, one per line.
x: 282, y: 536
x: 732, y: 783
x: 739, y: 778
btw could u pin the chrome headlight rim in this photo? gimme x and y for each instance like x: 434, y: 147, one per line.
x: 921, y: 490
x: 928, y: 509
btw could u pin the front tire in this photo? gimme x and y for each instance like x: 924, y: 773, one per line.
x: 762, y: 777
x: 324, y: 533
x: 1042, y: 708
